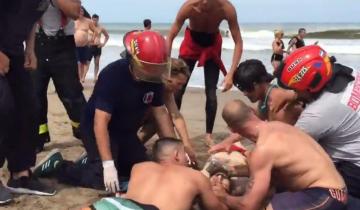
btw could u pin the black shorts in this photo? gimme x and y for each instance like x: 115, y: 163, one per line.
x: 82, y: 54
x: 94, y: 52
x: 276, y: 57
x: 312, y: 198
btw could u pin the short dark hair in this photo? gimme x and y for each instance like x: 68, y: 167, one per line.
x: 86, y: 13
x: 301, y: 30
x: 147, y: 23
x: 250, y: 72
x: 95, y: 16
x: 161, y: 144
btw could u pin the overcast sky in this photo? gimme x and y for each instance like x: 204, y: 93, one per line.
x: 268, y: 11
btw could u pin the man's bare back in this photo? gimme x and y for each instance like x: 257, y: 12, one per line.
x: 166, y: 186
x: 284, y: 157
x: 298, y: 161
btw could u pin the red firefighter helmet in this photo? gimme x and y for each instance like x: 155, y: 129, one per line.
x: 150, y: 58
x: 306, y: 69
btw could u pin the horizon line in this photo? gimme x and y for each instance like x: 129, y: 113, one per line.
x: 154, y: 23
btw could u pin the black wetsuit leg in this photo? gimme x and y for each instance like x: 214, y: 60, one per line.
x: 211, y: 72
x: 178, y: 96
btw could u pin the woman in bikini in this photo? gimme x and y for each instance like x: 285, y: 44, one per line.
x: 278, y: 49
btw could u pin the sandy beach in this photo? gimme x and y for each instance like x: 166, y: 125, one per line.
x: 69, y: 197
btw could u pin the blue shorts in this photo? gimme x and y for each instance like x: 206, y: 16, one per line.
x: 316, y: 198
x: 351, y: 174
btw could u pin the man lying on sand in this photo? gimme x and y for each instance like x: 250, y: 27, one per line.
x: 203, y: 42
x: 167, y: 183
x: 283, y: 157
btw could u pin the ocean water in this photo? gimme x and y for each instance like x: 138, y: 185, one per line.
x: 257, y: 39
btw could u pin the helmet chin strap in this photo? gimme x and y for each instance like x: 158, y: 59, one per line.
x: 131, y: 69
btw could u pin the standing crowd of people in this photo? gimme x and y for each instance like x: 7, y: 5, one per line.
x: 305, y: 129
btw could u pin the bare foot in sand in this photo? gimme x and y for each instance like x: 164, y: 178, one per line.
x: 208, y: 140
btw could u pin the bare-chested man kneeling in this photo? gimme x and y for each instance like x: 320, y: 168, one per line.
x: 284, y: 157
x: 167, y: 183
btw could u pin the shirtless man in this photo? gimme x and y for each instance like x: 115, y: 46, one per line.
x: 202, y: 43
x: 330, y: 91
x: 283, y: 156
x: 297, y: 41
x: 168, y: 184
x: 82, y: 27
x: 96, y: 45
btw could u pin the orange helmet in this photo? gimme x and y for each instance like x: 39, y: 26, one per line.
x: 148, y: 51
x: 308, y: 68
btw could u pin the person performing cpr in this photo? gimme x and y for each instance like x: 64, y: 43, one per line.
x: 286, y: 158
x: 330, y: 91
x: 126, y: 89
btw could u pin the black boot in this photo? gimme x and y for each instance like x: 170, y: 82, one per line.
x: 76, y: 132
x: 43, y: 139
